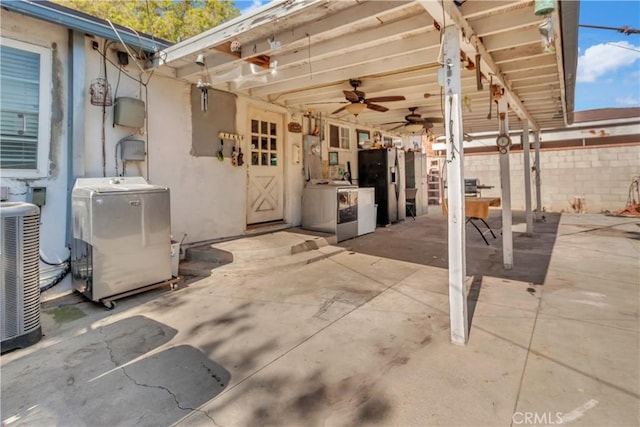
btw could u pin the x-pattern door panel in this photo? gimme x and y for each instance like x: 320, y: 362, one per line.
x: 265, y: 195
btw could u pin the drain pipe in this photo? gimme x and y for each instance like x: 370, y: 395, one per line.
x: 75, y: 118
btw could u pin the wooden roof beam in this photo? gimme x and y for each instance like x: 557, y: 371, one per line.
x: 451, y: 14
x: 261, y: 48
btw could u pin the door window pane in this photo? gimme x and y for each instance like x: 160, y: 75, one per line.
x: 339, y: 137
x: 264, y: 143
x: 344, y: 138
x: 334, y: 136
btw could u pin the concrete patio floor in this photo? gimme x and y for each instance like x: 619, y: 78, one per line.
x: 359, y: 338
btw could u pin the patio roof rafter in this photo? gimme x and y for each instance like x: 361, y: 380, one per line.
x: 402, y: 50
x: 226, y: 31
x: 294, y: 38
x: 394, y: 49
x: 472, y: 44
x: 347, y: 72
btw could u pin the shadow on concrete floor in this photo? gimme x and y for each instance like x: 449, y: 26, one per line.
x: 424, y: 241
x: 111, y: 375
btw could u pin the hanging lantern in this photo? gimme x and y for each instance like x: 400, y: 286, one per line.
x: 100, y: 91
x: 547, y: 34
x: 543, y: 7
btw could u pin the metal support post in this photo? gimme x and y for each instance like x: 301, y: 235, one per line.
x: 536, y: 139
x: 455, y: 189
x: 505, y: 182
x: 527, y: 176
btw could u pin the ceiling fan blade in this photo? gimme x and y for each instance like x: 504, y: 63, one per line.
x: 327, y: 102
x: 351, y: 95
x: 377, y: 107
x: 339, y: 110
x: 433, y: 119
x: 387, y: 99
x: 399, y: 126
x: 392, y: 123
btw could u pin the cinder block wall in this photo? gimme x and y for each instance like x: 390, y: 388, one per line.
x: 599, y: 175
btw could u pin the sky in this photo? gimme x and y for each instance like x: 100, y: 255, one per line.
x: 608, y: 75
x: 608, y: 72
x: 248, y: 5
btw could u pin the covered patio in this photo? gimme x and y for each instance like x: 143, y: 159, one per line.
x: 355, y: 339
x: 428, y: 69
x: 361, y: 334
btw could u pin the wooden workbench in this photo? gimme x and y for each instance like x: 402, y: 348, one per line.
x: 478, y: 207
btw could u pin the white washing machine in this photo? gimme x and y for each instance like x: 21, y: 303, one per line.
x: 331, y: 208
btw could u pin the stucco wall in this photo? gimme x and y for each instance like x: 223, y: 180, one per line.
x: 208, y: 197
x: 600, y: 175
x: 169, y: 129
x: 53, y: 213
x: 121, y: 86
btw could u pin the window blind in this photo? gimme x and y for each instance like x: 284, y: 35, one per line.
x: 19, y: 107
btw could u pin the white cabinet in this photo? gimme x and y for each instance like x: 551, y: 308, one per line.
x: 366, y: 210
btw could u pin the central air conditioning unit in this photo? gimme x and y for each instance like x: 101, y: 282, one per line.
x: 19, y: 280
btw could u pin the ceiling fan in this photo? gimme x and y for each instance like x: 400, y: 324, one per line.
x: 414, y: 122
x: 357, y: 101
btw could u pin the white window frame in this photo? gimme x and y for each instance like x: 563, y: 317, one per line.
x: 44, y: 110
x: 340, y: 137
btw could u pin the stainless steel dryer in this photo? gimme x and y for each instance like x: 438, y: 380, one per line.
x: 121, y: 235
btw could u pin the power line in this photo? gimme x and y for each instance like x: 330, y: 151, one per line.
x: 624, y: 29
x: 622, y: 47
x: 613, y: 44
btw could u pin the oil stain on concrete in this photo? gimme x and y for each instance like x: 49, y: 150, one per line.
x: 66, y: 314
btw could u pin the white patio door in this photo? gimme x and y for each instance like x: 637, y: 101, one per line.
x: 265, y: 195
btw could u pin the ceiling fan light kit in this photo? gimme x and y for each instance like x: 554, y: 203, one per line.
x: 356, y: 109
x: 414, y: 127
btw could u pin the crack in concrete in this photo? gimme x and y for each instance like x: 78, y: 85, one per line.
x: 133, y: 380
x: 526, y: 359
x: 139, y: 420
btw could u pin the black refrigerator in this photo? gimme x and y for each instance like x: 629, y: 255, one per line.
x: 383, y: 170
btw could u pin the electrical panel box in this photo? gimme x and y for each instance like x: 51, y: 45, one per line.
x: 132, y: 150
x: 129, y: 112
x: 37, y: 195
